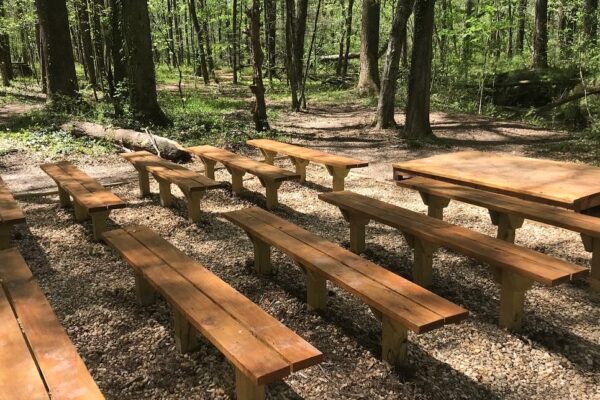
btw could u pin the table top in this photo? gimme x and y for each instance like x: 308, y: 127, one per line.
x: 568, y: 185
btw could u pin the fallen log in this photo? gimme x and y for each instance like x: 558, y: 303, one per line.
x: 165, y: 148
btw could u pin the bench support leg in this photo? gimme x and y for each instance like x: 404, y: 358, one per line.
x: 435, y: 204
x: 144, y: 292
x: 185, y: 333
x: 507, y: 225
x: 269, y: 156
x: 99, y: 219
x: 4, y: 236
x: 394, y: 342
x: 193, y: 204
x: 209, y: 168
x: 300, y: 167
x: 262, y: 257
x: 338, y: 174
x: 237, y: 180
x: 245, y: 389
x: 65, y: 199
x: 358, y: 224
x: 512, y: 299
x: 271, y: 193
x: 166, y: 198
x: 592, y: 245
x: 80, y: 212
x: 316, y: 290
x: 423, y: 262
x: 144, y: 180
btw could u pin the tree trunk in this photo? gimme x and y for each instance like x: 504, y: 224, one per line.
x: 260, y: 108
x: 5, y: 58
x: 348, y: 37
x: 235, y: 42
x: 270, y: 34
x: 83, y: 18
x: 57, y: 48
x: 384, y: 118
x: 209, y: 53
x: 202, y: 66
x: 419, y: 82
x: 301, y: 16
x: 97, y: 7
x: 290, y: 28
x: 520, y: 45
x: 42, y: 55
x: 466, y: 50
x: 117, y: 43
x: 368, y: 79
x: 140, y: 65
x: 590, y: 20
x: 540, y: 39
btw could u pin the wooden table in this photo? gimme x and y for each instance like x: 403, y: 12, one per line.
x: 572, y: 186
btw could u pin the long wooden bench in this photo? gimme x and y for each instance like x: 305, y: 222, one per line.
x: 508, y: 214
x: 515, y: 267
x: 10, y: 214
x: 37, y: 359
x: 398, y: 303
x: 193, y: 184
x: 90, y: 198
x: 270, y: 176
x: 261, y: 348
x: 337, y: 166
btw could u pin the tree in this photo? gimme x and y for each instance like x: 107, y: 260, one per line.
x: 202, y: 64
x: 590, y: 20
x: 419, y: 81
x: 385, y: 107
x: 83, y: 19
x: 521, y: 28
x: 5, y: 58
x: 235, y: 42
x: 140, y: 65
x: 57, y: 48
x: 368, y: 79
x: 270, y: 34
x: 540, y: 37
x: 258, y: 88
x: 296, y: 14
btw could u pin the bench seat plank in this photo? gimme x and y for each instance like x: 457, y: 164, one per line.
x: 63, y: 370
x: 539, y: 267
x: 10, y: 212
x: 394, y: 301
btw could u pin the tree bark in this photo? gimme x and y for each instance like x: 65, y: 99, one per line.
x: 368, y: 79
x: 348, y: 37
x: 235, y: 42
x: 540, y: 39
x: 202, y: 66
x: 209, y: 53
x: 520, y: 45
x: 83, y: 18
x: 384, y: 118
x: 260, y: 108
x: 5, y: 58
x: 419, y: 82
x: 57, y: 48
x: 270, y: 35
x: 140, y: 65
x: 117, y: 44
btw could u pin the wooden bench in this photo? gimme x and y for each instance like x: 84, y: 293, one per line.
x: 270, y: 176
x: 515, y: 268
x: 261, y: 348
x: 398, y: 303
x: 193, y: 184
x: 37, y: 359
x: 90, y: 198
x: 508, y: 214
x: 10, y: 214
x: 337, y: 166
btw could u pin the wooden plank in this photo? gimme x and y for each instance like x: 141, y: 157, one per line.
x: 19, y: 376
x: 543, y: 213
x: 304, y: 153
x: 273, y: 333
x: 414, y: 316
x: 229, y: 159
x: 447, y: 310
x: 526, y: 262
x: 255, y: 359
x: 65, y: 374
x: 567, y: 185
x: 10, y: 211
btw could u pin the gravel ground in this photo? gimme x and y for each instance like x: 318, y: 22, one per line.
x: 130, y: 350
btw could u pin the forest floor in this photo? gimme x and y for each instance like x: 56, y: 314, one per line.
x: 130, y: 350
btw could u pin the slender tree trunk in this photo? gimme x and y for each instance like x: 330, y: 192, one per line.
x: 5, y: 57
x: 590, y: 20
x: 368, y: 79
x: 83, y: 17
x: 520, y: 45
x: 235, y: 42
x: 97, y: 7
x: 117, y: 43
x: 42, y: 55
x: 202, y: 66
x: 260, y: 108
x: 340, y: 60
x: 299, y: 35
x: 540, y: 39
x: 290, y: 28
x: 209, y: 52
x: 384, y: 118
x: 419, y: 82
x: 509, y: 51
x: 270, y: 35
x: 466, y: 50
x: 140, y: 65
x: 57, y: 48
x: 310, y: 49
x: 348, y: 37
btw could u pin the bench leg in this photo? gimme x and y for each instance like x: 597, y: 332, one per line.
x: 394, y: 342
x: 193, y: 204
x: 338, y: 174
x: 4, y: 236
x: 209, y: 168
x: 358, y: 224
x: 435, y: 205
x: 507, y: 225
x: 144, y: 180
x: 80, y: 212
x: 64, y: 198
x: 99, y: 219
x: 316, y: 290
x: 271, y: 193
x: 166, y: 197
x: 269, y: 156
x: 300, y: 167
x: 512, y: 299
x: 185, y: 334
x: 245, y: 389
x: 144, y: 292
x: 262, y: 257
x: 237, y: 180
x: 423, y: 262
x: 592, y: 245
